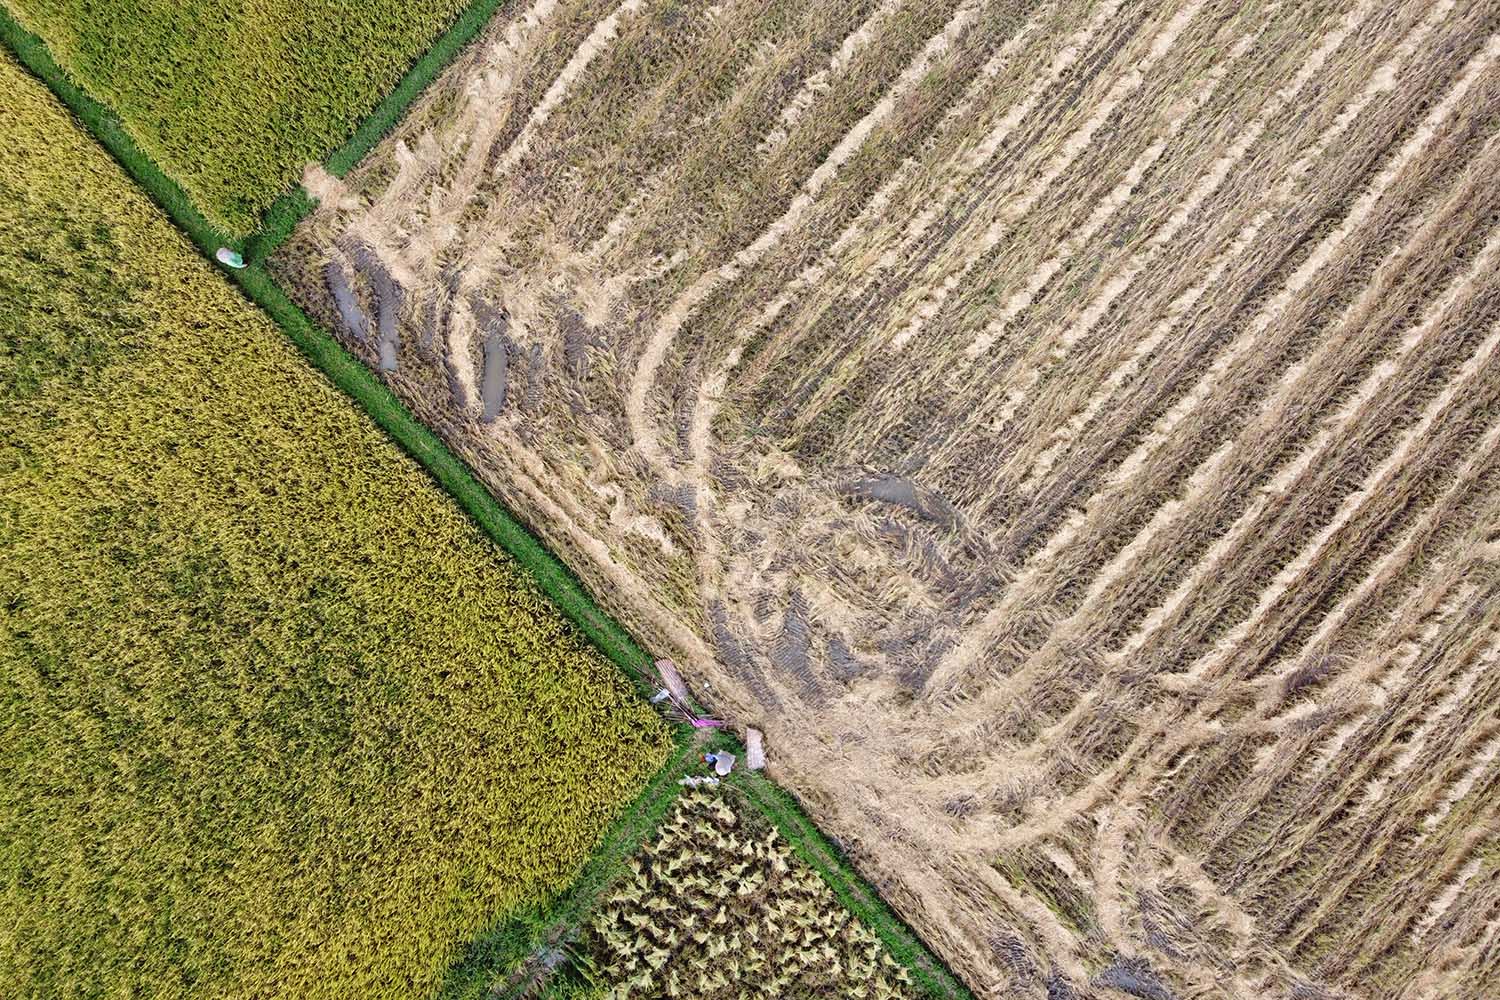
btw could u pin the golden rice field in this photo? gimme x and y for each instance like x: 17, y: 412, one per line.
x: 1068, y: 428
x: 277, y: 720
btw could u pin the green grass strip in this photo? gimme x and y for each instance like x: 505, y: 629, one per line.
x: 388, y: 113
x: 520, y: 936
x: 350, y: 375
x: 281, y: 219
x: 505, y: 946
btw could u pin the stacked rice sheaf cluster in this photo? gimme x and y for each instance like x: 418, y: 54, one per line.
x: 720, y: 907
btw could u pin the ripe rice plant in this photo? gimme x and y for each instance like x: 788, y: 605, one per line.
x: 278, y: 721
x: 234, y: 100
x: 719, y: 907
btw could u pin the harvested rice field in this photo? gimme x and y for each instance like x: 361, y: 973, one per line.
x: 1070, y: 429
x: 277, y: 719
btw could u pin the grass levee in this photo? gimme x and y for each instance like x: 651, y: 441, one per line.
x: 490, y: 966
x: 293, y: 205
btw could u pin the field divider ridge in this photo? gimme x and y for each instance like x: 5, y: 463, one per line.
x: 512, y: 941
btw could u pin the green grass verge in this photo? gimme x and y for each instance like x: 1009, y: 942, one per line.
x: 518, y: 936
x: 388, y: 113
x: 350, y: 375
x: 276, y: 228
x: 288, y: 209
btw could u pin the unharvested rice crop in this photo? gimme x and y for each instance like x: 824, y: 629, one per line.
x: 719, y: 907
x: 1070, y: 429
x: 277, y: 720
x: 231, y: 99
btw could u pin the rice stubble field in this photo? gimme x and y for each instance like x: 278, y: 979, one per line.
x: 1067, y: 427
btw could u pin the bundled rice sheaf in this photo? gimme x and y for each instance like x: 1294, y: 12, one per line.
x: 719, y: 907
